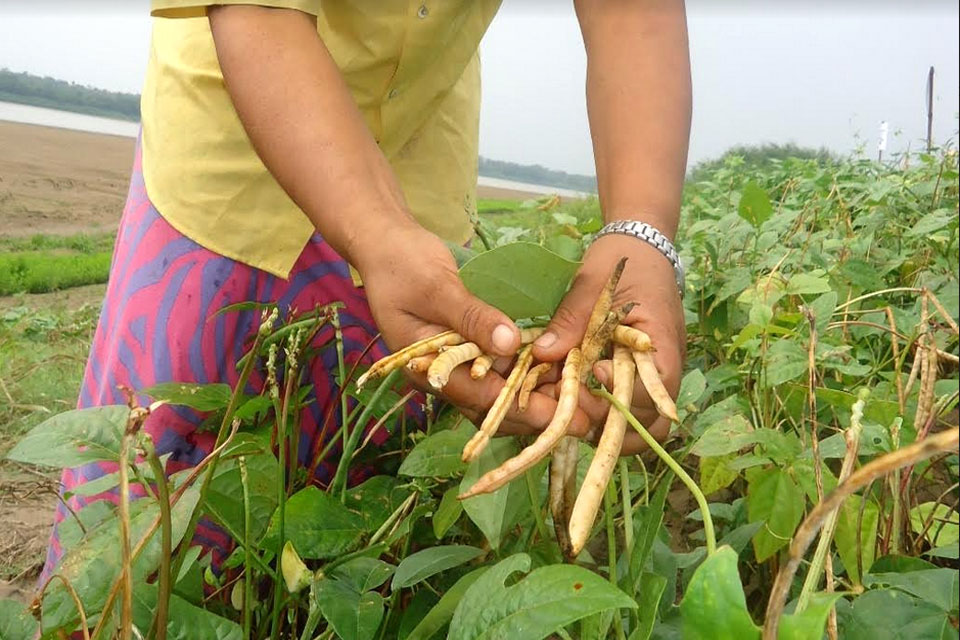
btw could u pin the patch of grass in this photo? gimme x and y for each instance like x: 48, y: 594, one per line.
x: 44, y: 271
x: 42, y: 356
x: 80, y: 243
x: 498, y: 205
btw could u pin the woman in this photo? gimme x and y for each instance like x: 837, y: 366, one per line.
x: 285, y: 139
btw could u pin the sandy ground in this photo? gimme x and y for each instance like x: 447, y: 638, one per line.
x: 58, y: 181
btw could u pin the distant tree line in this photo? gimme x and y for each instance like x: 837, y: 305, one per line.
x: 760, y: 156
x: 26, y: 88
x: 536, y: 174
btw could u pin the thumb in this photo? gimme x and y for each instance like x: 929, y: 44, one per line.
x: 486, y: 326
x: 566, y: 328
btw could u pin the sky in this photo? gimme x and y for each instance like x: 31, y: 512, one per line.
x: 804, y: 71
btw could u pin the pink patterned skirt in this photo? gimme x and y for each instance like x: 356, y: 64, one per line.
x: 159, y: 324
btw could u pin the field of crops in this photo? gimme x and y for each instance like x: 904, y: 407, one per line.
x: 809, y: 486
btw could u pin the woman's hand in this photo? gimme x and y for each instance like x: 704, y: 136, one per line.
x: 414, y: 292
x: 648, y: 281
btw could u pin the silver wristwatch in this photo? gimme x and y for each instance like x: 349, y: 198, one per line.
x: 649, y: 234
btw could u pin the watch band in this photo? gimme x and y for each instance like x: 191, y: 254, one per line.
x: 652, y: 236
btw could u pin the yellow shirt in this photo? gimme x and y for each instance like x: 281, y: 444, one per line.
x: 414, y: 73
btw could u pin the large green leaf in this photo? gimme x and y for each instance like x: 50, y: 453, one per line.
x: 775, y: 498
x: 423, y: 564
x: 447, y: 513
x: 940, y: 587
x: 646, y: 525
x: 438, y: 455
x: 946, y: 523
x: 224, y: 499
x: 16, y: 623
x: 202, y: 397
x: 74, y: 438
x: 375, y: 499
x: 755, y: 205
x: 495, y: 513
x: 714, y: 607
x: 522, y: 279
x: 853, y: 544
x: 185, y: 621
x: 442, y: 612
x: 317, y: 524
x: 890, y: 614
x: 727, y: 436
x: 809, y: 624
x: 548, y: 598
x: 648, y: 601
x: 363, y: 574
x: 93, y: 564
x: 354, y: 616
x: 715, y: 474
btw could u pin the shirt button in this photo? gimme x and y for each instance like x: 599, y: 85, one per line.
x: 423, y: 12
x: 393, y: 94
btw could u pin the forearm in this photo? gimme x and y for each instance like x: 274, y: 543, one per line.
x: 305, y: 126
x: 639, y: 103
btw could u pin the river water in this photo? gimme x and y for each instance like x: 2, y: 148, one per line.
x: 28, y: 114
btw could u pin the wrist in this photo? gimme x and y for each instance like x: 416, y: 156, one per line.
x: 644, y: 233
x: 663, y: 219
x: 376, y: 240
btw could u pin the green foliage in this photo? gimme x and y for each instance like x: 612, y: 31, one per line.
x: 27, y: 88
x: 40, y: 272
x: 793, y: 265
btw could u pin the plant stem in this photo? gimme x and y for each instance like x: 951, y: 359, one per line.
x: 674, y: 466
x: 166, y: 548
x: 926, y: 448
x: 247, y: 551
x: 126, y: 568
x: 76, y: 601
x: 627, y: 511
x: 339, y: 484
x: 338, y: 334
x: 535, y: 507
x: 292, y: 376
x: 609, y: 499
x: 852, y: 437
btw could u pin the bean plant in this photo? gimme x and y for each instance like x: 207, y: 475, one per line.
x: 808, y: 488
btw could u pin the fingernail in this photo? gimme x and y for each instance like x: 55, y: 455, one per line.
x: 546, y: 340
x: 503, y: 338
x: 601, y: 375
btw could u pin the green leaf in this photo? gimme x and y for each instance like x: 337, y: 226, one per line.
x: 727, y: 436
x: 565, y: 247
x: 847, y: 537
x: 74, y: 438
x: 755, y: 205
x: 443, y: 611
x: 202, y: 397
x: 447, y: 513
x: 946, y: 523
x: 714, y: 607
x: 786, y: 360
x: 809, y: 624
x: 646, y: 524
x: 522, y: 279
x: 940, y: 587
x: 317, y: 525
x: 354, y: 616
x: 807, y: 284
x: 363, y: 574
x: 224, y: 498
x: 691, y: 388
x: 438, y: 455
x: 548, y: 598
x: 648, y: 601
x: 375, y: 499
x: 185, y: 621
x: 889, y: 614
x: 496, y: 513
x: 423, y: 564
x: 775, y: 498
x: 93, y: 564
x: 715, y: 474
x: 16, y: 623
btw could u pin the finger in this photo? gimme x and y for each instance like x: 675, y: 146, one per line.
x: 569, y: 321
x: 633, y: 443
x: 479, y: 322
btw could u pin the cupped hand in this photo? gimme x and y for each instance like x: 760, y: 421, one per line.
x: 414, y: 292
x: 648, y: 281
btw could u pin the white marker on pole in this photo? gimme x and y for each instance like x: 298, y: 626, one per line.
x: 882, y: 142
